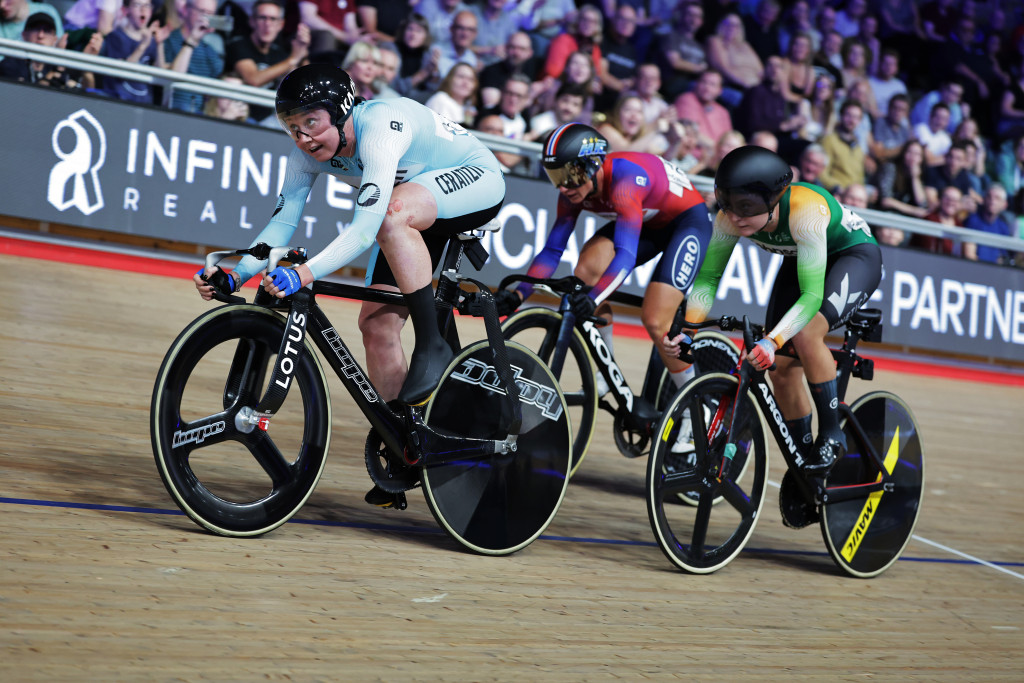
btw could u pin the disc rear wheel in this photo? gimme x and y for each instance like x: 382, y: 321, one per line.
x: 537, y: 329
x: 500, y: 503
x: 866, y: 535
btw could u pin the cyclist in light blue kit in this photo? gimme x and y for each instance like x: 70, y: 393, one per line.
x: 421, y: 178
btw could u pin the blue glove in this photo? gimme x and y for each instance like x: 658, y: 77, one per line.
x: 286, y: 280
x: 762, y: 356
x: 581, y: 305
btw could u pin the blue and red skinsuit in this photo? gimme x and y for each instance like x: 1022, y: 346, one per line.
x: 641, y: 191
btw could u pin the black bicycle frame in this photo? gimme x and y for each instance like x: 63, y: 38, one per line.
x: 749, y: 378
x: 599, y: 351
x: 403, y: 433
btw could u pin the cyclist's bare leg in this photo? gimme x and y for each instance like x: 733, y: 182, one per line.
x: 661, y: 301
x: 789, y: 388
x: 814, y: 362
x: 595, y: 256
x: 381, y: 326
x: 411, y: 211
x: 819, y: 366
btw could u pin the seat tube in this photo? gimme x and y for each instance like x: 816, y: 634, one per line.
x: 447, y: 293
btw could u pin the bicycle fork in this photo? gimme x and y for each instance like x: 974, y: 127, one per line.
x: 288, y: 356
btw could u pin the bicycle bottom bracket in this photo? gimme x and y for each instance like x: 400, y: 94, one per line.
x: 631, y: 442
x: 796, y: 511
x: 388, y: 471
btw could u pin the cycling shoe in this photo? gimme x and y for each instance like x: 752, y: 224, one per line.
x: 425, y: 371
x: 824, y: 455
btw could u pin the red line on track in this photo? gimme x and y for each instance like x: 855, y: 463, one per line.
x: 176, y: 269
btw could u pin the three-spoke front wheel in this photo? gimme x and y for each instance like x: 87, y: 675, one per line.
x: 726, y: 463
x: 227, y: 474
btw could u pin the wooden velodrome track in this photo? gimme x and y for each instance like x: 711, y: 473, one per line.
x: 103, y: 579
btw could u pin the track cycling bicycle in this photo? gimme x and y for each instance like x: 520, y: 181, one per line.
x: 557, y: 336
x: 866, y: 506
x: 241, y: 416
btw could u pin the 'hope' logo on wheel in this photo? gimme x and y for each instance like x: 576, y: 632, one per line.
x: 473, y: 371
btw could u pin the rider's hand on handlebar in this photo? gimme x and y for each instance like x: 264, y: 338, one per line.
x: 284, y: 282
x: 506, y: 301
x: 214, y: 283
x: 677, y: 347
x: 582, y: 305
x: 762, y: 355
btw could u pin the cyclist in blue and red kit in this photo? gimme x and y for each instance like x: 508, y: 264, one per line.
x: 654, y: 210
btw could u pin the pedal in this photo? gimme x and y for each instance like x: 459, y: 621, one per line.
x: 382, y: 499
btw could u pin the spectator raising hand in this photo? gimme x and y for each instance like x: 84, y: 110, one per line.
x: 138, y: 41
x: 187, y: 51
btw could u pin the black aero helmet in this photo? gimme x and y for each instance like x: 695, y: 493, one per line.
x: 750, y: 180
x: 573, y: 154
x: 317, y: 86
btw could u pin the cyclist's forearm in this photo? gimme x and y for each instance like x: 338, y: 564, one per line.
x: 700, y: 299
x: 795, y: 319
x: 616, y: 273
x: 543, y: 266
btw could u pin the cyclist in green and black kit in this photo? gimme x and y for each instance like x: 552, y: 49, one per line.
x: 831, y: 266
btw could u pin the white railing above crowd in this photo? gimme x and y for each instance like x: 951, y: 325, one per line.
x: 172, y: 81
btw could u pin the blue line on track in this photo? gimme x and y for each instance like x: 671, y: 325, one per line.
x: 404, y: 529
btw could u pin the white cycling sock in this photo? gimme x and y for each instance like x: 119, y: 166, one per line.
x: 681, y: 377
x: 606, y: 335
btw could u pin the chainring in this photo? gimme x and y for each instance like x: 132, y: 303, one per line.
x: 630, y: 442
x: 796, y: 511
x: 388, y: 471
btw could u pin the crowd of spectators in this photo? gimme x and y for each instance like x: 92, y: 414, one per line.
x: 912, y: 107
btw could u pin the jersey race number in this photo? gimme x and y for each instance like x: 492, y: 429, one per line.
x: 852, y: 222
x: 445, y: 128
x: 677, y: 180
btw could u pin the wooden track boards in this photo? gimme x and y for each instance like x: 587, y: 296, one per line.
x: 97, y: 583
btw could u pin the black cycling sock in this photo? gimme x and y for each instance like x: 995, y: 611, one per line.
x: 800, y: 430
x: 431, y: 353
x: 826, y: 401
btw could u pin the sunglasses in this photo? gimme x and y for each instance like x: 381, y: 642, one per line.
x: 569, y: 176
